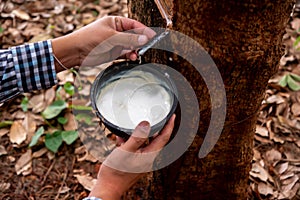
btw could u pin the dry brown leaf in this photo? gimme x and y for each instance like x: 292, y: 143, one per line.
x: 289, y: 184
x: 85, y: 91
x: 18, y: 115
x: 296, y: 109
x: 24, y: 163
x: 275, y: 99
x: 39, y: 153
x: 281, y: 168
x: 262, y: 131
x: 259, y: 172
x: 17, y: 133
x: 37, y: 103
x: 256, y: 155
x: 71, y: 124
x: 3, y: 131
x: 86, y: 181
x: 287, y: 175
x: 2, y: 150
x: 4, y: 186
x: 33, y: 31
x: 86, y: 157
x: 273, y: 156
x: 265, y: 189
x: 21, y: 14
x: 41, y: 37
x: 65, y: 76
x: 49, y: 96
x: 30, y: 126
x: 65, y: 189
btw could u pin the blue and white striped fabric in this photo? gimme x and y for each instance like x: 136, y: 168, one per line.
x: 26, y: 68
x: 91, y: 198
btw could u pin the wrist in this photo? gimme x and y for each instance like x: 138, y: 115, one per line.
x: 66, y: 51
x: 105, y: 192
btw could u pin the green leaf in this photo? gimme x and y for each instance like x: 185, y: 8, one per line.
x: 24, y: 104
x: 69, y: 88
x: 295, y: 77
x: 293, y: 85
x: 283, y: 81
x: 5, y: 123
x: 78, y: 107
x: 82, y: 117
x: 53, y: 141
x: 62, y: 120
x: 69, y: 136
x: 1, y: 30
x: 54, y: 109
x: 297, y: 41
x: 58, y: 96
x: 36, y: 136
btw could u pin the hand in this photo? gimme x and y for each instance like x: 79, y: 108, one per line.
x: 101, y: 41
x: 127, y: 163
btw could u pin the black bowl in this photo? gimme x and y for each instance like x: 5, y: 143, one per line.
x: 116, y: 70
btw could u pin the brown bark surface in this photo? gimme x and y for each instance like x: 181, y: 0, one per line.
x: 244, y: 39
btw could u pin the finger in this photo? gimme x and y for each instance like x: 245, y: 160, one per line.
x: 129, y: 24
x: 128, y: 40
x: 138, y: 137
x: 119, y: 141
x: 162, y: 138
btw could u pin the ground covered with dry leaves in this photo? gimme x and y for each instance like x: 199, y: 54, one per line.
x: 38, y: 173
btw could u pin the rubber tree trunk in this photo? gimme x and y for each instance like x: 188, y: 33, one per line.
x: 244, y: 39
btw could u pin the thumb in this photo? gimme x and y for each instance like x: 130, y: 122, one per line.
x: 138, y: 137
x: 130, y: 40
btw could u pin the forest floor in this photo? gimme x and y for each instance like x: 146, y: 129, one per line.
x: 38, y: 173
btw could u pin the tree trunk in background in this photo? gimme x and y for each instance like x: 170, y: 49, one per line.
x: 244, y: 39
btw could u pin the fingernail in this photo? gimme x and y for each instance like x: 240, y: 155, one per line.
x: 144, y: 125
x: 142, y: 39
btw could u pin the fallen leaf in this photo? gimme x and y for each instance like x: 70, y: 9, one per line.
x: 281, y: 168
x: 262, y: 131
x: 287, y: 175
x: 39, y: 153
x: 49, y: 96
x: 4, y: 186
x: 41, y: 37
x: 275, y: 99
x: 289, y: 183
x: 259, y: 172
x: 65, y: 76
x: 21, y: 14
x: 17, y: 133
x: 3, y: 131
x: 71, y: 124
x: 86, y: 181
x: 2, y: 150
x: 264, y: 189
x: 37, y: 103
x: 296, y: 109
x: 24, y: 162
x: 30, y: 126
x: 273, y: 156
x: 85, y: 90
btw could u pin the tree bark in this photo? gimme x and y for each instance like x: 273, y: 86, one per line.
x: 244, y: 40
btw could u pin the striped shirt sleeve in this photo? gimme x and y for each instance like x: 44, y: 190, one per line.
x: 26, y: 68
